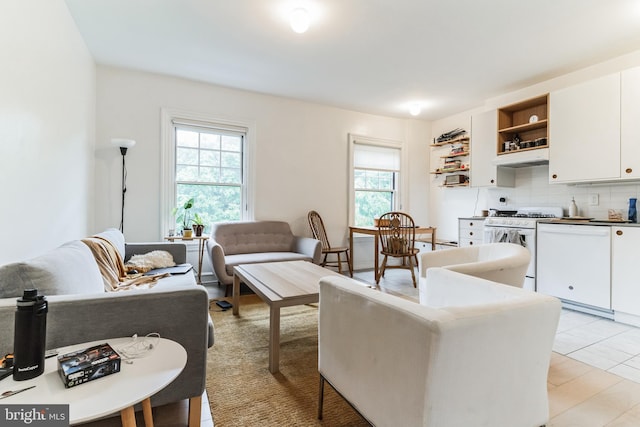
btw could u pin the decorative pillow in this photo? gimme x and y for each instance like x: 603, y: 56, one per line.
x: 149, y: 261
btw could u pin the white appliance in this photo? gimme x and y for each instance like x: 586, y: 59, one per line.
x: 519, y: 227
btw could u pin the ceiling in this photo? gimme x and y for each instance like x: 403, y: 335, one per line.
x: 374, y: 56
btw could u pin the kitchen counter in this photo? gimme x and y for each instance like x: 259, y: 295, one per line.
x: 603, y: 222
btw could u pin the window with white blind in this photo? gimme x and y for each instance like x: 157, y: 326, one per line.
x: 375, y: 178
x: 205, y: 160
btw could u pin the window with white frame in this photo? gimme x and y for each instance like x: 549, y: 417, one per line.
x: 375, y: 179
x: 207, y: 161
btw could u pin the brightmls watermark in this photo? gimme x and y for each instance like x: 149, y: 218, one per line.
x: 34, y: 415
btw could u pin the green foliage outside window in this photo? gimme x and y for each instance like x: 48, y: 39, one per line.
x: 373, y: 195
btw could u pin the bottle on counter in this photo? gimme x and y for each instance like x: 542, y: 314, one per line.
x: 29, y: 335
x: 573, y: 208
x: 633, y: 213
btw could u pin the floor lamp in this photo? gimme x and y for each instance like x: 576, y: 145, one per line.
x: 123, y: 144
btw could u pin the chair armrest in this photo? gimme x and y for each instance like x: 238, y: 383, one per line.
x: 431, y: 259
x: 216, y: 253
x: 176, y: 313
x: 309, y: 247
x: 177, y: 250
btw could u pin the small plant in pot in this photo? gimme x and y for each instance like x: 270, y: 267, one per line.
x: 183, y: 216
x: 198, y: 225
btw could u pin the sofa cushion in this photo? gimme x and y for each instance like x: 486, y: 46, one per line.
x: 116, y: 238
x: 233, y: 260
x: 68, y: 269
x: 253, y: 237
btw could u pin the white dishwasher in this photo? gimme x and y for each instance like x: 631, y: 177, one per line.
x: 574, y: 264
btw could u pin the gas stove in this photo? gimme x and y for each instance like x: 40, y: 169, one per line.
x: 522, y: 218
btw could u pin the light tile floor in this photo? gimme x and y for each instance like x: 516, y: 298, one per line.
x: 603, y: 343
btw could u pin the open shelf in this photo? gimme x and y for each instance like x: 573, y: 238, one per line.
x: 528, y: 120
x: 461, y: 140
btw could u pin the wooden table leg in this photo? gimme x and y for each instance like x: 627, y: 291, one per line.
x: 236, y: 295
x: 433, y: 239
x: 146, y: 410
x: 128, y: 417
x: 375, y: 257
x: 200, y: 256
x: 351, y: 251
x: 274, y: 339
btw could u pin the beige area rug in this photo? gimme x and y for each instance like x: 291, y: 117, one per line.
x: 242, y: 391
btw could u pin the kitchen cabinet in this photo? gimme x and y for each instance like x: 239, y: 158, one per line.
x: 574, y: 263
x: 484, y: 173
x: 625, y: 258
x: 470, y: 231
x: 630, y: 124
x: 584, y: 128
x: 523, y: 126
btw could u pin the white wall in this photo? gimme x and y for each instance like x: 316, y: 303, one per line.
x: 47, y: 113
x: 532, y: 184
x: 301, y: 151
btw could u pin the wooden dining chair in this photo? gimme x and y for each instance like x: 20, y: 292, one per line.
x: 319, y: 233
x: 397, y: 233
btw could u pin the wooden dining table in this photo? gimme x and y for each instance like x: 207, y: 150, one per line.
x: 374, y: 231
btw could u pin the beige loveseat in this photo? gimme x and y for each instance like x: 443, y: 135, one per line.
x: 249, y: 242
x: 476, y: 353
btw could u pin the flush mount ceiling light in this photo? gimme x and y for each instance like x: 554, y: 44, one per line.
x: 415, y: 109
x: 299, y: 20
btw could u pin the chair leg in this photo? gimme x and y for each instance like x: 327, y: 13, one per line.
x: 320, y: 397
x: 382, y: 268
x: 339, y: 263
x: 324, y: 260
x: 413, y: 274
x: 349, y: 263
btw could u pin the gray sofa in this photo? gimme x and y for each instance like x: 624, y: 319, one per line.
x: 248, y: 242
x: 81, y: 311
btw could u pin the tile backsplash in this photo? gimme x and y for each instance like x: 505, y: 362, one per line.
x: 533, y: 189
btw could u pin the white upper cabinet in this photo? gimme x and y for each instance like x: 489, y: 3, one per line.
x: 484, y: 140
x: 630, y: 124
x: 584, y: 131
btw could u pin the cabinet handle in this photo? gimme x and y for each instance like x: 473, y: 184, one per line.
x: 619, y: 232
x: 570, y: 287
x: 554, y: 176
x: 492, y: 181
x: 471, y: 233
x: 470, y: 224
x: 628, y: 170
x: 470, y: 243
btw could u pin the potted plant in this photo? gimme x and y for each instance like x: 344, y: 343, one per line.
x: 183, y: 215
x: 198, y: 225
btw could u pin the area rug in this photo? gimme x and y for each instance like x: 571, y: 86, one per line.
x: 242, y: 391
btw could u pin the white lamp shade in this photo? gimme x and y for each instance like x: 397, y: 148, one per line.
x: 122, y: 142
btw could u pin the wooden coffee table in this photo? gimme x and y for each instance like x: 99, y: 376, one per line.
x: 279, y: 284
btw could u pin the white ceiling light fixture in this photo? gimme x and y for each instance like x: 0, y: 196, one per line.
x: 415, y: 109
x: 300, y: 20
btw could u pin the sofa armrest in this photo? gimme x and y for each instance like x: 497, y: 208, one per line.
x: 216, y: 253
x: 177, y: 313
x: 177, y: 250
x: 309, y: 247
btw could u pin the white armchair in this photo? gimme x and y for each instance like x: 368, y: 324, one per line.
x: 505, y: 263
x: 478, y: 355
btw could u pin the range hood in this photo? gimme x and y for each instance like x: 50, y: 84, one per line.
x: 520, y: 159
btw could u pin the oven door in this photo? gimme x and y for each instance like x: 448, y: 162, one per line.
x: 526, y: 237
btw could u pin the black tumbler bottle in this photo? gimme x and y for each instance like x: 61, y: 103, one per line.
x: 29, y: 335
